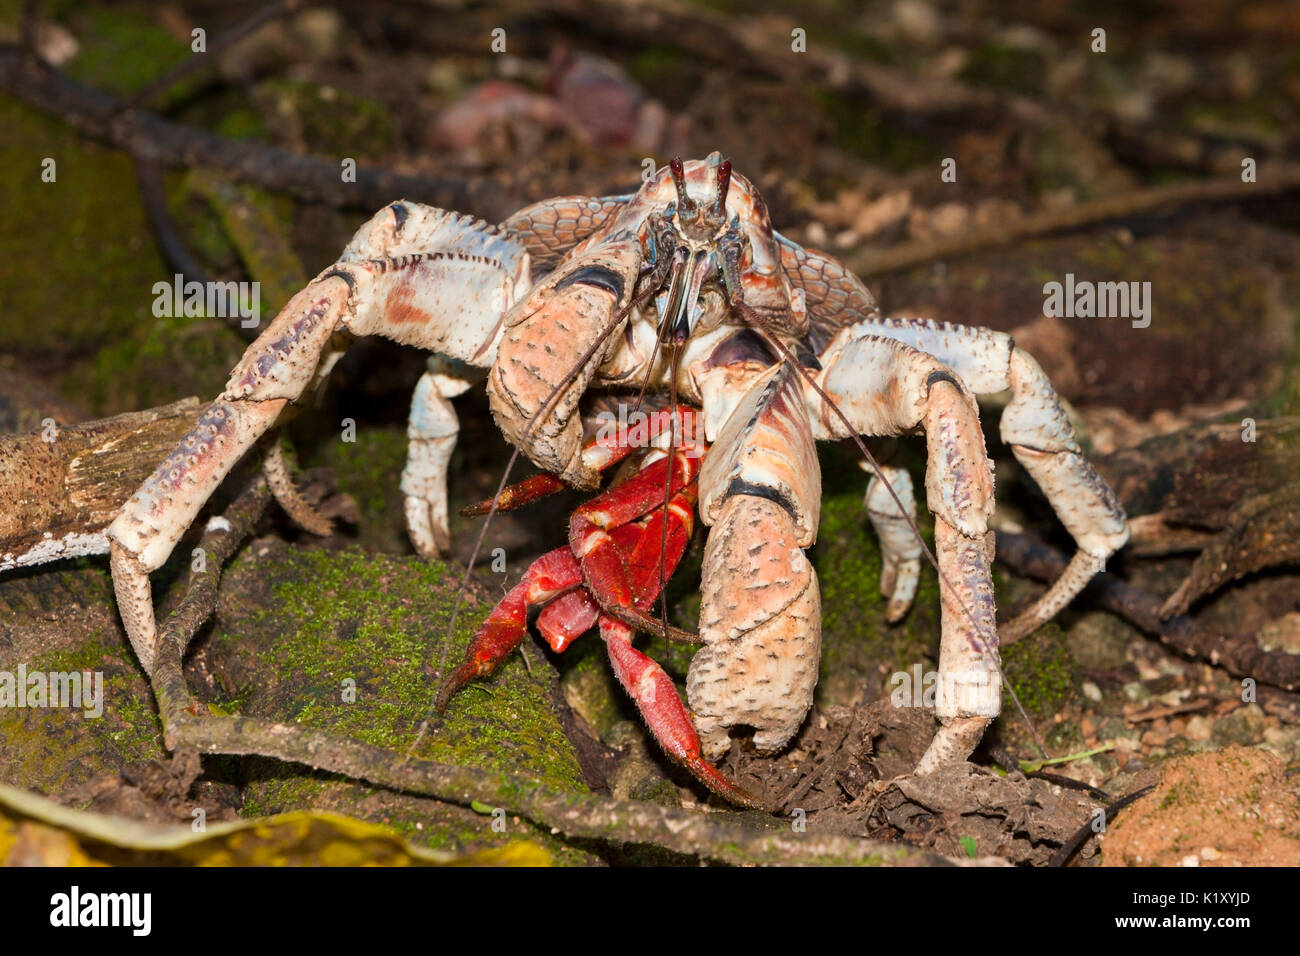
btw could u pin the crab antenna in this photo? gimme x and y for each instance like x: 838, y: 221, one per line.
x: 724, y: 182
x: 684, y: 200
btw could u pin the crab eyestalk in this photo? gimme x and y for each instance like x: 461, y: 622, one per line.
x: 718, y: 210
x: 687, y: 206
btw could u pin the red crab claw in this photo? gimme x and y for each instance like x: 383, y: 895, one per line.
x: 567, y: 618
x: 664, y: 713
x: 550, y: 575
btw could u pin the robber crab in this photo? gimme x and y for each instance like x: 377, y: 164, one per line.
x: 683, y: 286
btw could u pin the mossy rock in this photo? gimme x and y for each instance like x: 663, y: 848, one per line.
x: 165, y: 359
x: 63, y: 620
x: 333, y: 121
x: 345, y: 641
x: 1042, y: 671
x: 81, y: 260
x: 369, y: 468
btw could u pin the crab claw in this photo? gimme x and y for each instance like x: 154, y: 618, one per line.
x: 567, y: 618
x: 652, y: 690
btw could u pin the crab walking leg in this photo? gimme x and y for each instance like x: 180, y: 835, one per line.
x: 431, y: 434
x: 760, y: 611
x: 447, y: 297
x: 652, y: 690
x: 970, y: 688
x: 887, y: 388
x: 505, y: 628
x: 899, y: 548
x: 276, y: 469
x: 1041, y: 438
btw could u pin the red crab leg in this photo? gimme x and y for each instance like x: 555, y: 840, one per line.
x: 554, y: 578
x: 567, y: 618
x: 552, y: 574
x: 603, y: 569
x: 571, y: 615
x: 600, y: 454
x: 650, y: 688
x: 663, y: 711
x: 574, y: 613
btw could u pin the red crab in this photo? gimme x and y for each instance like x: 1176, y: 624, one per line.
x: 622, y: 545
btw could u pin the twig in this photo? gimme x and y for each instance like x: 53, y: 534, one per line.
x: 149, y: 137
x: 148, y: 176
x: 1272, y: 180
x: 1081, y: 836
x: 214, y: 49
x: 1239, y: 654
x: 748, y: 43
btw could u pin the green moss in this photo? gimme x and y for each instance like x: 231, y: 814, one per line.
x: 78, y: 256
x: 856, y: 639
x: 369, y: 469
x: 122, y: 50
x: 1041, y: 670
x: 298, y: 630
x: 54, y: 748
x: 332, y: 120
x: 165, y: 359
x: 863, y: 131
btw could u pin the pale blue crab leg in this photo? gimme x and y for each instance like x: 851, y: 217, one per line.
x: 418, y: 275
x: 884, y: 387
x: 1041, y: 438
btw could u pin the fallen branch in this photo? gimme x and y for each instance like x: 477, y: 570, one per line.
x: 59, y: 495
x: 1239, y: 654
x: 713, y: 37
x: 908, y: 255
x: 725, y: 837
x: 149, y: 137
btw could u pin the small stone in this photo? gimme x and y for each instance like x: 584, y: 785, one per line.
x: 1137, y: 692
x: 1244, y: 726
x: 1210, y: 853
x: 1198, y: 728
x: 1154, y: 738
x: 1189, y: 861
x: 1091, y: 691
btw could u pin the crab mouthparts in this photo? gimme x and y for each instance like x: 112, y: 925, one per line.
x: 679, y: 306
